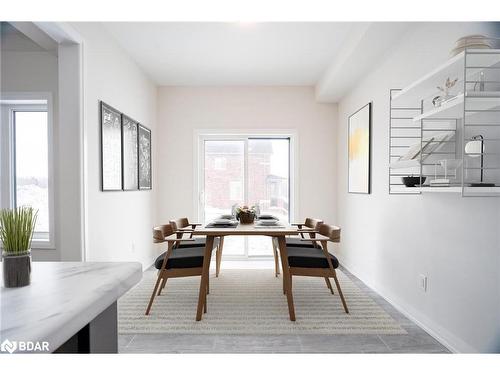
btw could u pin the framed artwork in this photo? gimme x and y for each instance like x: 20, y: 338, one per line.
x: 144, y: 150
x: 130, y: 159
x: 111, y: 148
x: 359, y: 151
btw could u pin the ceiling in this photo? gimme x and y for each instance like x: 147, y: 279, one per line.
x: 12, y: 39
x: 232, y: 53
x: 25, y: 37
x: 331, y: 56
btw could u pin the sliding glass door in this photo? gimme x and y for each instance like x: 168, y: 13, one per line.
x: 245, y: 170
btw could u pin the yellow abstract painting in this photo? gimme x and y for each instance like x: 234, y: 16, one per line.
x: 359, y: 150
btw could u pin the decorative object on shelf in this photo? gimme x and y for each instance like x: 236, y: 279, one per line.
x: 412, y: 181
x: 359, y: 151
x: 16, y: 232
x: 130, y: 154
x: 245, y: 214
x: 471, y: 42
x: 144, y: 150
x: 450, y: 165
x: 480, y: 82
x: 447, y: 165
x: 475, y: 148
x: 445, y: 89
x: 437, y: 101
x: 111, y: 148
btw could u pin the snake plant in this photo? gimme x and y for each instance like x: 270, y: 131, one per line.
x: 16, y: 229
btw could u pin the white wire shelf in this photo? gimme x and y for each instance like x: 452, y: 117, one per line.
x: 453, y: 67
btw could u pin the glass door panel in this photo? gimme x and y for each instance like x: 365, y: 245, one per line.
x: 268, y: 184
x: 224, y: 177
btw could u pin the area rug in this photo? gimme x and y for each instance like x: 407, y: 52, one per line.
x: 252, y: 302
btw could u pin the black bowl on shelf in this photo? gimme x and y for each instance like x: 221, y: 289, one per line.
x: 412, y: 181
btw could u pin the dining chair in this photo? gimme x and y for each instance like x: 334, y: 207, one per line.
x: 183, y: 226
x: 317, y: 262
x: 176, y: 261
x: 309, y: 223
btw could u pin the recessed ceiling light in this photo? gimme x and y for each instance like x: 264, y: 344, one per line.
x: 246, y: 23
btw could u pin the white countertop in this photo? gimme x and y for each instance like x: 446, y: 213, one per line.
x: 63, y: 297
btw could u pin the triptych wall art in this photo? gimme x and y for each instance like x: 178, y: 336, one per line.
x: 125, y: 152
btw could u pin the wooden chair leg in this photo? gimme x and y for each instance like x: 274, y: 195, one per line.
x: 208, y: 284
x: 205, y: 304
x: 153, y: 295
x: 204, y: 277
x: 162, y: 286
x: 218, y: 257
x: 217, y: 262
x: 276, y: 260
x: 340, y: 293
x: 329, y: 284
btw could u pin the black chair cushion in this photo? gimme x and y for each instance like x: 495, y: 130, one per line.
x: 308, y: 257
x: 198, y: 242
x: 188, y: 257
x: 296, y: 242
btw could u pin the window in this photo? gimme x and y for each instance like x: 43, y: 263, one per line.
x: 220, y: 164
x: 26, y: 160
x: 31, y: 165
x: 257, y: 170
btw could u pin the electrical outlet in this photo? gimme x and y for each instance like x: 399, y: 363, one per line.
x: 133, y: 247
x: 423, y: 282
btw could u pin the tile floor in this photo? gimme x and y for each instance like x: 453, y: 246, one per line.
x: 417, y: 340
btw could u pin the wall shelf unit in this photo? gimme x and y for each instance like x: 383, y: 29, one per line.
x: 451, y: 143
x: 453, y: 189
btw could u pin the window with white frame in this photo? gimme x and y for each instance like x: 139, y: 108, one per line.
x: 26, y: 162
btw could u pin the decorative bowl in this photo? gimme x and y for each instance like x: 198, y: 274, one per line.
x: 412, y: 181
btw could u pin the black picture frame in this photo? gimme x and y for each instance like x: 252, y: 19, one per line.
x: 362, y: 120
x: 144, y: 158
x: 111, y: 148
x: 130, y: 153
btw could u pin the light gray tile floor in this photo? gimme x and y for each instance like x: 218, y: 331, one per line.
x: 416, y: 341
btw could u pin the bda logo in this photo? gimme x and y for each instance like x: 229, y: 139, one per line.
x: 8, y: 346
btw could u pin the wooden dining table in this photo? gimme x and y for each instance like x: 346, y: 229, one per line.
x: 247, y: 230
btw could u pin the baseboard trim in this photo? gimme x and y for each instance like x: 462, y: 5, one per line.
x: 443, y: 336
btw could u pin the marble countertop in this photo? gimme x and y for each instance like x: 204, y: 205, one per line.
x: 63, y: 297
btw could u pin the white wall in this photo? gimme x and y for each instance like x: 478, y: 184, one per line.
x: 118, y: 224
x: 388, y: 240
x: 34, y: 71
x: 182, y: 110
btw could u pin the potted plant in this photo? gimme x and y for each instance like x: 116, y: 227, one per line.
x: 16, y: 232
x: 245, y: 215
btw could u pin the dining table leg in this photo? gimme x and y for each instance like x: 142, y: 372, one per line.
x: 202, y: 297
x: 286, y: 276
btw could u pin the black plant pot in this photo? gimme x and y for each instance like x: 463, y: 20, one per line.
x: 16, y: 270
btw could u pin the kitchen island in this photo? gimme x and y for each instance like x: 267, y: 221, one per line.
x: 69, y: 307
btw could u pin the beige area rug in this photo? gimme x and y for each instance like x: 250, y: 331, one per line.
x: 252, y: 302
